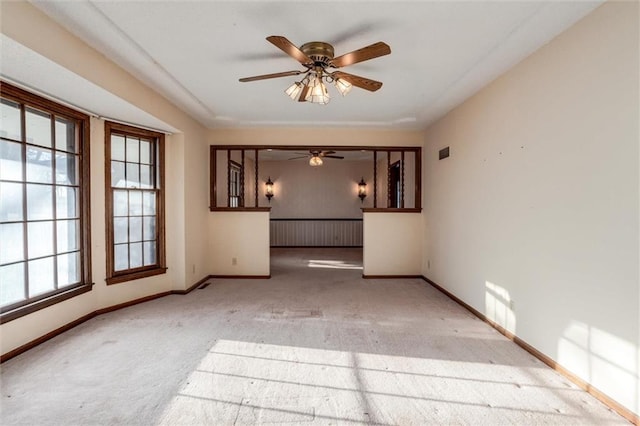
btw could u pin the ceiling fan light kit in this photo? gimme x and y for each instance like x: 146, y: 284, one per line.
x: 317, y: 57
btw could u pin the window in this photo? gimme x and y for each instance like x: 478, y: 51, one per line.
x: 135, y: 203
x: 395, y: 187
x: 44, y: 203
x: 235, y: 172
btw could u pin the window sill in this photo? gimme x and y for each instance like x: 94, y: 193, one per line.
x: 240, y: 209
x: 44, y: 303
x: 135, y: 275
x: 391, y: 210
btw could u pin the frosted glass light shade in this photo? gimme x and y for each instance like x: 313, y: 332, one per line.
x: 315, y: 161
x: 343, y: 86
x: 318, y: 93
x: 294, y: 90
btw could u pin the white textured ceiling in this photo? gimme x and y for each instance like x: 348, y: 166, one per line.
x: 194, y: 52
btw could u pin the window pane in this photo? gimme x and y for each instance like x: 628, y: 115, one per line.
x: 66, y: 169
x: 135, y: 229
x: 41, y: 276
x: 120, y: 203
x: 149, y: 226
x: 65, y: 135
x: 145, y: 152
x: 10, y: 160
x: 133, y: 149
x: 120, y: 230
x: 38, y: 125
x: 10, y: 202
x: 40, y: 239
x: 135, y: 255
x: 145, y: 177
x: 68, y: 269
x: 117, y: 174
x: 10, y: 120
x: 149, y: 201
x: 68, y: 235
x: 149, y: 253
x: 39, y: 165
x: 135, y: 203
x: 11, y: 242
x: 39, y: 202
x: 121, y: 257
x: 117, y: 148
x: 11, y: 283
x: 66, y: 202
x: 133, y: 175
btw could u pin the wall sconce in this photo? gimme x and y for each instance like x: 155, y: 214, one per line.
x: 362, y: 190
x: 268, y: 192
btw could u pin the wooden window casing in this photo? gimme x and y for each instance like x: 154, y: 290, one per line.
x: 45, y: 160
x: 134, y: 189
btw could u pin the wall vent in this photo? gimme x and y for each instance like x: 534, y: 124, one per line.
x: 444, y: 153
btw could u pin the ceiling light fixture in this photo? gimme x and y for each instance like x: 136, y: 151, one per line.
x: 315, y: 161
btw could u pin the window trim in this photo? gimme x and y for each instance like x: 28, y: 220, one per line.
x: 30, y: 305
x: 116, y: 277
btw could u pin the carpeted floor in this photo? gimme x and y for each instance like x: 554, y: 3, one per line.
x: 316, y: 344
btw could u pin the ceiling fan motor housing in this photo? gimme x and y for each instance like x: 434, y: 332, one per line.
x: 319, y: 51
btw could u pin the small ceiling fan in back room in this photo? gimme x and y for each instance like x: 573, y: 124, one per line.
x: 317, y: 57
x: 315, y: 156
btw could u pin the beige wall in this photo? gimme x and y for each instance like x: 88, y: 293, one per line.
x: 239, y: 243
x: 328, y: 191
x: 186, y: 173
x: 392, y: 244
x: 533, y: 220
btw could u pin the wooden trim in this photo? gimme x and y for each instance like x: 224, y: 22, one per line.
x: 581, y: 383
x: 241, y: 179
x: 130, y: 276
x: 319, y: 147
x: 192, y: 287
x: 316, y: 246
x: 240, y: 209
x: 213, y: 188
x: 30, y: 345
x: 391, y: 210
x: 82, y: 133
x: 384, y: 277
x: 375, y: 179
x: 402, y: 164
x: 329, y: 219
x: 23, y: 310
x: 388, y: 179
x: 242, y: 277
x: 418, y: 176
x: 228, y: 178
x: 256, y: 204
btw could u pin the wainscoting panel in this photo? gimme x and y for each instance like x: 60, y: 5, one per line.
x: 316, y: 232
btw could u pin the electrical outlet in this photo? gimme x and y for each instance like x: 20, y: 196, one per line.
x: 234, y: 261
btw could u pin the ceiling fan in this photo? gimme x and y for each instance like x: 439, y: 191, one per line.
x: 316, y: 156
x: 317, y: 57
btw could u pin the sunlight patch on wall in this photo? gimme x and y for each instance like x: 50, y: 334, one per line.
x: 499, y: 306
x: 602, y: 359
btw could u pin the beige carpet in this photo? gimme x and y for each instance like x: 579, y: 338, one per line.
x: 316, y: 344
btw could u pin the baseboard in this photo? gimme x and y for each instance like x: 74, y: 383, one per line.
x: 384, y: 277
x: 243, y: 277
x: 319, y: 247
x: 581, y: 383
x: 32, y: 344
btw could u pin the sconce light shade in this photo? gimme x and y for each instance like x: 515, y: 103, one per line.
x: 362, y: 190
x: 318, y: 93
x: 315, y: 161
x: 268, y: 192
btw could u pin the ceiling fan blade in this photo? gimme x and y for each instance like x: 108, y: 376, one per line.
x: 297, y: 158
x: 327, y: 152
x: 334, y: 156
x: 361, y: 82
x: 274, y: 75
x: 290, y: 49
x: 374, y: 50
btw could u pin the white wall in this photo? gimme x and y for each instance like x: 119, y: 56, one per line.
x: 392, y: 244
x: 186, y: 185
x: 533, y: 220
x: 239, y: 243
x: 327, y: 191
